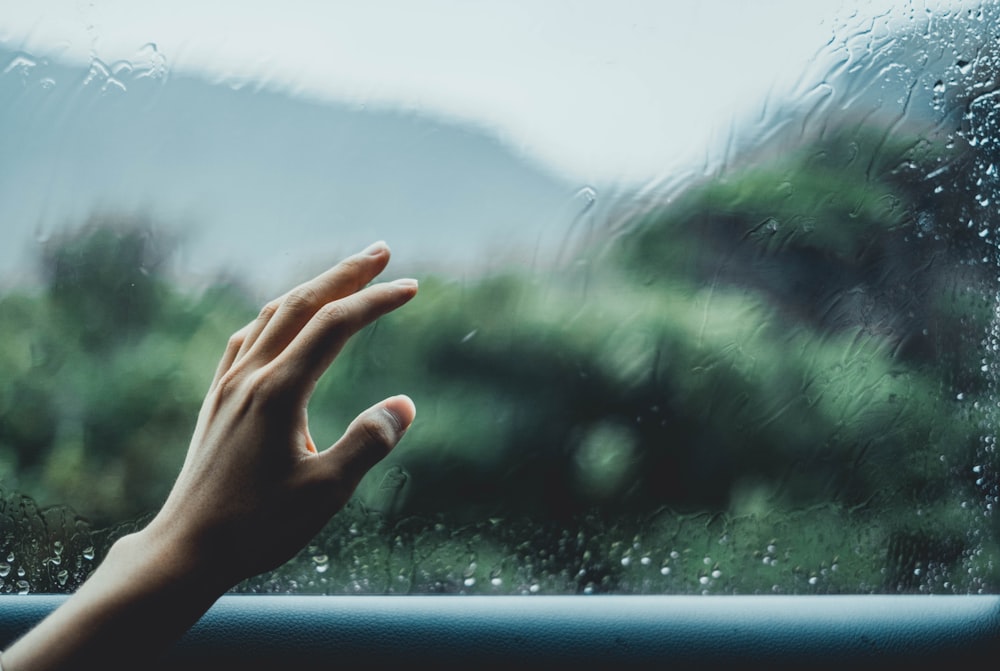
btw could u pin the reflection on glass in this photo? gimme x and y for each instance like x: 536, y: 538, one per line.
x: 773, y: 373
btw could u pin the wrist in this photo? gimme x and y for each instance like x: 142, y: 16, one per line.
x: 166, y: 561
x: 145, y: 594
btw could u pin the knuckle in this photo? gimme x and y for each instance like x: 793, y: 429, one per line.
x: 236, y: 340
x: 356, y: 272
x: 265, y: 389
x: 266, y: 382
x: 353, y: 265
x: 302, y: 299
x: 267, y: 312
x: 377, y: 432
x: 240, y: 382
x: 230, y: 383
x: 333, y: 314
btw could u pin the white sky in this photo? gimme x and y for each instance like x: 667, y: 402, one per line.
x: 598, y: 91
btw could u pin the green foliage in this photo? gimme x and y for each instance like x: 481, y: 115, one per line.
x: 104, y: 371
x: 774, y: 379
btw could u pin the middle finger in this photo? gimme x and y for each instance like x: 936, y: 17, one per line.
x: 281, y: 319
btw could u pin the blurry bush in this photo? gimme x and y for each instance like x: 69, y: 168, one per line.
x: 103, y: 370
x: 785, y: 337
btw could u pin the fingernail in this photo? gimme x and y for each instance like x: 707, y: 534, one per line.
x: 407, y: 282
x: 397, y: 419
x: 375, y: 248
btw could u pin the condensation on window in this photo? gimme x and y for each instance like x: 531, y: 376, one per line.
x: 774, y: 370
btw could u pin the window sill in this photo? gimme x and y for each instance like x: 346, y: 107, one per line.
x: 312, y: 632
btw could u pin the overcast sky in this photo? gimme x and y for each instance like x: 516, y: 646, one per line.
x: 597, y: 91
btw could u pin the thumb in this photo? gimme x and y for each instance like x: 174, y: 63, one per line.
x: 368, y: 439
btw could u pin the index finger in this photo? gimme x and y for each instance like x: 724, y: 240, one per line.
x: 280, y: 320
x: 306, y: 358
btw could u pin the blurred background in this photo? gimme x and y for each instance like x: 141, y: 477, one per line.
x: 708, y: 294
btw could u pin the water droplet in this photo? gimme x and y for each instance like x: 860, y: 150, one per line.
x: 394, y: 479
x: 321, y: 563
x: 586, y: 197
x: 88, y: 552
x: 112, y: 84
x: 4, y: 570
x: 150, y: 62
x: 20, y: 62
x: 23, y: 587
x: 98, y: 70
x: 939, y: 86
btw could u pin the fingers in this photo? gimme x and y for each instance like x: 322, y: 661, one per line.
x: 307, y: 357
x: 280, y: 320
x: 369, y: 438
x: 233, y: 347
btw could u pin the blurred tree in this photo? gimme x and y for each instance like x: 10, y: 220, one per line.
x: 106, y: 280
x: 104, y: 369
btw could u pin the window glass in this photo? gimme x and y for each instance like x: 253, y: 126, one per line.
x: 708, y: 290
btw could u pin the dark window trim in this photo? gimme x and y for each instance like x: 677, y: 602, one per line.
x: 521, y: 632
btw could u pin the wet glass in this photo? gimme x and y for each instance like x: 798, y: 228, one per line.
x: 708, y: 294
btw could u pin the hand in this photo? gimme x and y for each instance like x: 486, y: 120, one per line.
x: 253, y: 489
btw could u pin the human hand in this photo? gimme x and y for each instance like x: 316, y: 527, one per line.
x: 253, y: 489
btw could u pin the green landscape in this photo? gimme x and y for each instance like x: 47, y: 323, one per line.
x: 775, y: 382
x: 779, y: 377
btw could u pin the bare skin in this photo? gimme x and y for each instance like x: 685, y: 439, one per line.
x: 253, y: 489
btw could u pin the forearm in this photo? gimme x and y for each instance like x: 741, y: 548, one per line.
x: 140, y: 600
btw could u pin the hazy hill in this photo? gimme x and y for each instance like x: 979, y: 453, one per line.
x: 260, y: 182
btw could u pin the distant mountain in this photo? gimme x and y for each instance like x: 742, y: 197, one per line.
x: 261, y: 183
